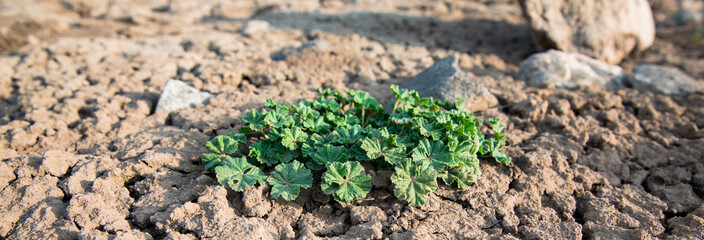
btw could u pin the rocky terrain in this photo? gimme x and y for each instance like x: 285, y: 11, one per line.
x: 605, y: 134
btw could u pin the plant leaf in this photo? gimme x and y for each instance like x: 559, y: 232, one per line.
x: 349, y: 135
x: 347, y: 182
x: 291, y: 137
x: 357, y: 153
x: 376, y: 149
x: 363, y: 100
x: 276, y: 119
x: 501, y: 157
x: 329, y: 104
x: 238, y: 137
x: 491, y: 148
x: 497, y: 128
x: 435, y: 153
x: 414, y: 181
x: 254, y: 121
x: 466, y: 173
x: 316, y: 124
x: 238, y: 174
x: 211, y: 161
x: 328, y: 154
x: 288, y: 179
x: 427, y: 129
x: 271, y: 152
x: 222, y: 145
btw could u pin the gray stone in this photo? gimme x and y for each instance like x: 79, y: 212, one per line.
x: 603, y: 29
x: 665, y: 80
x: 177, y: 95
x: 569, y: 71
x: 254, y: 26
x: 444, y: 80
x: 688, y: 16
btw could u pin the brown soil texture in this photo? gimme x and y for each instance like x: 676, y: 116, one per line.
x: 83, y: 154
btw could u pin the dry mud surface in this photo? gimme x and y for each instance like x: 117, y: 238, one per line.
x: 84, y: 155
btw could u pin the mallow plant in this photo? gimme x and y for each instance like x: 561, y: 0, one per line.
x: 421, y: 140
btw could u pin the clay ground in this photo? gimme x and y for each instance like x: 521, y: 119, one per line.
x: 83, y: 154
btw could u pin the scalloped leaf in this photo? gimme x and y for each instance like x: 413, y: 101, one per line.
x: 254, y: 121
x: 329, y: 104
x: 287, y: 180
x: 347, y: 182
x: 328, y: 154
x: 222, y: 145
x: 277, y: 119
x: 348, y: 135
x: 291, y: 137
x: 317, y: 124
x: 376, y: 149
x: 238, y: 174
x: 414, y: 181
x: 428, y: 129
x: 434, y: 153
x: 211, y: 160
x: 465, y: 174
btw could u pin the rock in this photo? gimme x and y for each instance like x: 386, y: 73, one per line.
x: 177, y: 95
x: 444, y: 80
x: 254, y: 26
x: 663, y: 8
x: 602, y: 29
x: 569, y: 71
x: 688, y: 16
x: 360, y: 214
x: 665, y: 80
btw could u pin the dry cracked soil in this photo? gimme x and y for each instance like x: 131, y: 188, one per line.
x: 84, y: 154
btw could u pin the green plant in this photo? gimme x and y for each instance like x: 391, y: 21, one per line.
x: 422, y: 139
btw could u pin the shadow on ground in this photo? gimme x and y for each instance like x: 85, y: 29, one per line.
x: 511, y: 42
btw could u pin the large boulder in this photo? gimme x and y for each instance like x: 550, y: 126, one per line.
x: 569, y: 71
x: 607, y: 30
x: 445, y: 80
